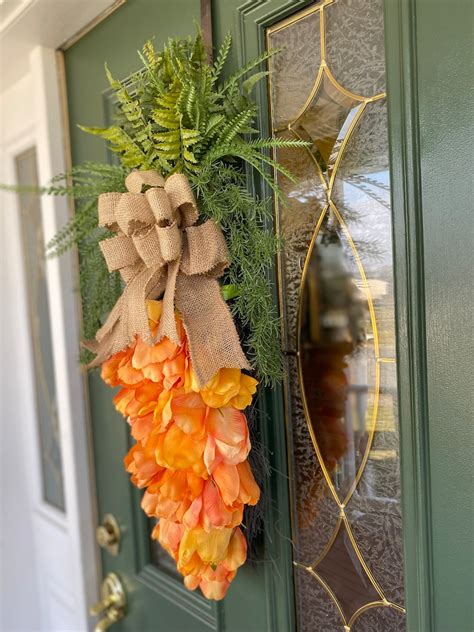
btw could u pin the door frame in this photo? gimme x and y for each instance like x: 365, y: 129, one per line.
x: 432, y: 295
x: 438, y: 572
x: 417, y: 435
x: 407, y: 218
x: 420, y: 499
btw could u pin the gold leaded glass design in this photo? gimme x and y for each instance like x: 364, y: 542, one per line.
x: 336, y: 290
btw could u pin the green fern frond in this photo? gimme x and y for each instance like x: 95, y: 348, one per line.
x: 235, y: 126
x: 241, y: 72
x: 249, y: 84
x: 122, y: 144
x: 275, y: 143
x: 167, y: 119
x: 213, y: 125
x: 150, y: 56
x: 221, y: 58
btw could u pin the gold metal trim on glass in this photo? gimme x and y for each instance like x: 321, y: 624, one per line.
x: 324, y: 71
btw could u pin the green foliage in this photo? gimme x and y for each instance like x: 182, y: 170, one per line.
x: 223, y: 197
x: 85, y: 183
x: 176, y: 115
x: 99, y: 289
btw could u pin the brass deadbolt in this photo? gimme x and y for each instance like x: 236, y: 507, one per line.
x: 108, y: 534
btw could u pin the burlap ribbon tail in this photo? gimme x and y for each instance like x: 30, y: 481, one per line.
x: 159, y: 249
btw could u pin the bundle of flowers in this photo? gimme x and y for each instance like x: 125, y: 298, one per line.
x: 190, y: 454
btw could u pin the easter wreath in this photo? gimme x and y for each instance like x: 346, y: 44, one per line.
x: 172, y: 246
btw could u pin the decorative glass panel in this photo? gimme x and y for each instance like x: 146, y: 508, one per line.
x: 35, y: 274
x: 336, y: 288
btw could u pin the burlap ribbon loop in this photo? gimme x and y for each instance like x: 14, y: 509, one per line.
x: 159, y: 249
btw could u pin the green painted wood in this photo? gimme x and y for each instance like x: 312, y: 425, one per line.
x: 429, y: 69
x: 261, y: 598
x: 411, y: 352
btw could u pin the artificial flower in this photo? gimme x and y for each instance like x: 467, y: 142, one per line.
x: 207, y: 561
x: 229, y: 387
x: 226, y: 430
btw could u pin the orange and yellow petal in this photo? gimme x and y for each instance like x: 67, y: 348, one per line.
x: 249, y: 492
x: 189, y: 413
x: 227, y: 479
x: 177, y: 450
x: 222, y: 388
x: 248, y: 387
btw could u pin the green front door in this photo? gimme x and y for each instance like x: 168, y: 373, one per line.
x: 358, y: 430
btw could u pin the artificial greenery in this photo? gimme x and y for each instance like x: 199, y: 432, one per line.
x: 179, y: 115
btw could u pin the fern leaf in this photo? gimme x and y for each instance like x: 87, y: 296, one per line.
x: 166, y: 119
x: 221, y: 57
x: 213, y: 124
x: 190, y: 136
x: 236, y: 125
x: 189, y: 156
x: 249, y: 84
x: 149, y: 53
x: 114, y: 84
x: 121, y: 143
x: 275, y: 143
x: 233, y: 79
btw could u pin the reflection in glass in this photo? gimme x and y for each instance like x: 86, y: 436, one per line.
x: 35, y: 274
x: 334, y: 325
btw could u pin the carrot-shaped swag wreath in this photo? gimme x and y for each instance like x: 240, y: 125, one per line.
x: 181, y: 134
x: 182, y: 387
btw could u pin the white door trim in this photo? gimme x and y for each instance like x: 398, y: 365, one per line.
x: 63, y: 282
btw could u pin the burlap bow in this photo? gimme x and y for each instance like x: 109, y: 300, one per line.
x: 158, y: 248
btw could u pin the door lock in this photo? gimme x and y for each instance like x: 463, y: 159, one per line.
x: 108, y: 534
x: 113, y: 605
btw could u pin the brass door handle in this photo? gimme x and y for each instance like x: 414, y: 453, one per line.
x: 111, y: 617
x: 113, y: 604
x: 104, y: 604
